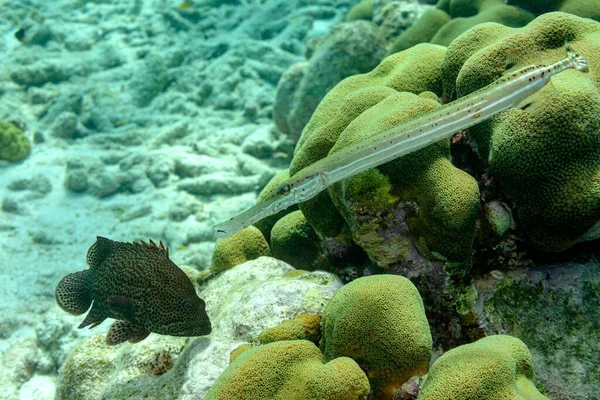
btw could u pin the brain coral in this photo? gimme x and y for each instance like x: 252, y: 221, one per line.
x: 306, y: 327
x: 450, y: 18
x: 294, y: 241
x: 289, y: 370
x: 14, y: 145
x: 245, y: 245
x: 379, y: 321
x: 545, y: 155
x: 443, y: 201
x: 493, y: 368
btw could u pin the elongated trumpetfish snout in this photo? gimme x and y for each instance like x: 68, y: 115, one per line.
x: 441, y: 123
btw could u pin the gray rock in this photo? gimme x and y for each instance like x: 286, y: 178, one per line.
x: 211, y: 184
x: 37, y: 183
x: 149, y: 80
x: 183, y: 207
x: 36, y: 33
x: 395, y: 17
x: 190, y: 165
x: 76, y: 180
x: 136, y: 212
x: 260, y: 144
x: 103, y: 184
x: 70, y: 101
x: 160, y: 170
x: 348, y: 49
x: 12, y: 206
x: 64, y: 125
x: 38, y: 95
x: 39, y: 74
x: 133, y: 181
x: 554, y: 310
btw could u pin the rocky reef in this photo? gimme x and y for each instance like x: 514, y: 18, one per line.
x: 467, y: 269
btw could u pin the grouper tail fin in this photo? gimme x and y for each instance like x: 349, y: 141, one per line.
x: 73, y: 293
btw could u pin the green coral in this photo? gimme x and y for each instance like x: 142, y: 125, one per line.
x: 446, y: 198
x: 246, y: 245
x: 380, y: 322
x: 546, y: 155
x: 422, y: 31
x: 289, y: 370
x: 294, y: 241
x: 305, y: 327
x: 451, y: 18
x: 467, y: 14
x: 362, y: 10
x: 493, y: 368
x: 238, y: 351
x: 14, y: 145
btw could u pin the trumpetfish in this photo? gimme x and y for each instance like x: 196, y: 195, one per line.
x: 407, y: 137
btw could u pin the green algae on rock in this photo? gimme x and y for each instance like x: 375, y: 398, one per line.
x: 14, y: 145
x: 494, y: 368
x: 289, y: 370
x: 380, y: 322
x: 553, y: 309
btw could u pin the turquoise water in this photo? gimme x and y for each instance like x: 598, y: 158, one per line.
x: 158, y: 119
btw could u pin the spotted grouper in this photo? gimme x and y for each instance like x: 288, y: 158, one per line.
x: 139, y: 286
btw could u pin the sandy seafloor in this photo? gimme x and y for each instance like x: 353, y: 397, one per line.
x: 146, y: 123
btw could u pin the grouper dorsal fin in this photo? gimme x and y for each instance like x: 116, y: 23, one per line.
x: 153, y: 246
x: 99, y: 251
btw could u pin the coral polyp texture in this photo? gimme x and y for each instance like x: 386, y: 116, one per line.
x: 493, y: 368
x: 294, y: 241
x: 14, y: 145
x: 424, y: 191
x: 546, y: 154
x: 246, y: 245
x: 379, y: 321
x: 289, y: 370
x: 305, y: 327
x: 451, y: 18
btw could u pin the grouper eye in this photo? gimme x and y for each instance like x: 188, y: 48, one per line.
x: 187, y: 306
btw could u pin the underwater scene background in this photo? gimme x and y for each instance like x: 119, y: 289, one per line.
x: 468, y: 269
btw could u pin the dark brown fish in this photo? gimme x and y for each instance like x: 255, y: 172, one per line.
x: 139, y: 286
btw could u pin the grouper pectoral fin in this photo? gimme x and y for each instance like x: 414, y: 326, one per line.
x: 122, y: 331
x: 73, y: 293
x: 123, y: 306
x: 94, y: 318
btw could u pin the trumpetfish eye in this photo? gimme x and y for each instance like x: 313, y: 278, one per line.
x: 284, y: 189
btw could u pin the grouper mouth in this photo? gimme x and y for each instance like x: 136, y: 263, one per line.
x: 184, y: 329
